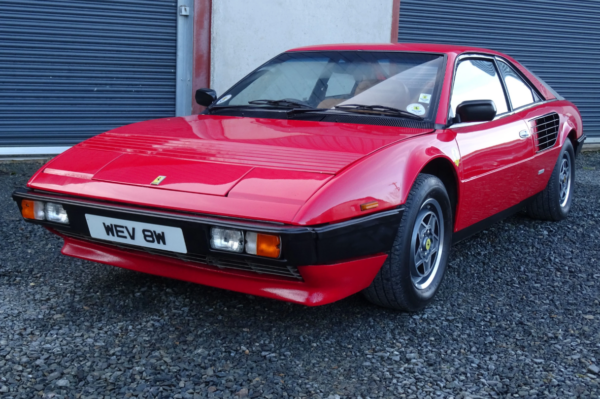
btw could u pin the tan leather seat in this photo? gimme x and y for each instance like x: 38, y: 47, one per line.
x: 362, y: 86
x: 330, y: 102
x: 365, y: 85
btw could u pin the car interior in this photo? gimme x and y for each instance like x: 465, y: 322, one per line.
x: 369, y: 83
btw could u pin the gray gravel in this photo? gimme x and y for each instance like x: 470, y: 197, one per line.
x: 518, y: 316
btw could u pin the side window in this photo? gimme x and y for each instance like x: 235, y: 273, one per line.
x: 477, y: 80
x: 340, y: 84
x: 519, y: 92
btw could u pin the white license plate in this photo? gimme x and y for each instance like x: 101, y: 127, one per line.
x: 137, y: 233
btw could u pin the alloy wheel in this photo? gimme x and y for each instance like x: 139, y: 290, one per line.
x: 427, y: 244
x: 565, y: 179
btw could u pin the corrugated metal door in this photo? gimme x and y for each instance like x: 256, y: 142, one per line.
x: 558, y: 40
x: 70, y: 69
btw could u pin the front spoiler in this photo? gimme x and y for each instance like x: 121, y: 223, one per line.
x: 321, y: 284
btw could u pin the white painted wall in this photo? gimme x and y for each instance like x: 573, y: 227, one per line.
x: 247, y: 33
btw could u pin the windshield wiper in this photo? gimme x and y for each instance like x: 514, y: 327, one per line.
x: 284, y: 104
x: 280, y: 103
x: 378, y: 108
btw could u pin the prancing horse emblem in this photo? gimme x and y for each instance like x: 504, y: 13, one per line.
x: 158, y: 180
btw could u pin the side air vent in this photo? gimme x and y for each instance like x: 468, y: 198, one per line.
x: 545, y: 130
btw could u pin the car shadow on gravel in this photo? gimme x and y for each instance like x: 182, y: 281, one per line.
x: 133, y: 292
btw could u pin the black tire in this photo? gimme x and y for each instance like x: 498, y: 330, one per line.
x: 401, y: 284
x: 551, y: 204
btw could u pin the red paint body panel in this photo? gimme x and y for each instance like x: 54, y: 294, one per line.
x: 386, y: 177
x: 192, y: 151
x: 299, y: 145
x: 180, y: 174
x: 498, y: 169
x: 304, y: 173
x: 182, y: 201
x: 492, y: 156
x: 274, y: 185
x: 89, y: 161
x: 321, y: 285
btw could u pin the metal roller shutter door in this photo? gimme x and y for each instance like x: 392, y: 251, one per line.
x: 558, y: 40
x: 70, y: 69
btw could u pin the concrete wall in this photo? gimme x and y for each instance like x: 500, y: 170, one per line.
x: 246, y: 33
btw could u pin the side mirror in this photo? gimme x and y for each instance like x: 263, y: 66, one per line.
x: 476, y: 111
x: 205, y: 97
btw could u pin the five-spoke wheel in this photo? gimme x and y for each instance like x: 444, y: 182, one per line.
x: 426, y: 246
x: 555, y: 201
x: 414, y: 269
x: 565, y: 179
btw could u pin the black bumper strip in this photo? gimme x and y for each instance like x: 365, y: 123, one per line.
x: 580, y: 141
x: 319, y: 245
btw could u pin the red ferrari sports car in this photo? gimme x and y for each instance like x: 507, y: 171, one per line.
x: 327, y: 171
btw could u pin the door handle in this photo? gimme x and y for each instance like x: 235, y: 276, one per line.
x: 524, y: 134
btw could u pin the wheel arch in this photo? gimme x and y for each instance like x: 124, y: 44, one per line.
x: 445, y: 170
x: 572, y: 136
x: 385, y: 178
x: 572, y: 128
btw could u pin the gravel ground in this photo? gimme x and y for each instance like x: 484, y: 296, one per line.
x: 518, y: 316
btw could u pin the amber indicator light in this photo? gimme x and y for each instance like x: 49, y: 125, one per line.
x: 369, y: 205
x: 27, y: 209
x: 268, y: 246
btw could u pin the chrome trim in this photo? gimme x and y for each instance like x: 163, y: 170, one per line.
x: 524, y: 134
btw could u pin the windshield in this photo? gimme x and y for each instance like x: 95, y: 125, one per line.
x: 329, y: 79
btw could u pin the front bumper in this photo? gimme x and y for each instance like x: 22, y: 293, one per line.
x: 318, y: 265
x: 320, y: 285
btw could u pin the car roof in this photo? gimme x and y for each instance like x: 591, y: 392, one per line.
x: 417, y: 47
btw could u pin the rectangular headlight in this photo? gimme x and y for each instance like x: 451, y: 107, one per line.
x: 56, y: 213
x: 227, y: 239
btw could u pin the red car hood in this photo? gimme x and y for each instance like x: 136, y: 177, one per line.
x: 280, y: 161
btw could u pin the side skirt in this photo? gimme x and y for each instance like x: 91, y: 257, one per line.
x: 485, y: 223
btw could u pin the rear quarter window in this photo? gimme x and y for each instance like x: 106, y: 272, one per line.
x: 519, y: 92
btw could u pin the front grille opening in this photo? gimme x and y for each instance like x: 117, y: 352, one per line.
x: 545, y: 130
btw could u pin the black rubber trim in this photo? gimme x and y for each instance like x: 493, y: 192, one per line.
x: 315, y: 245
x: 333, y: 117
x: 579, y: 145
x: 358, y: 237
x: 486, y: 223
